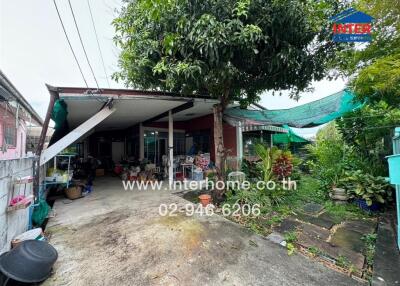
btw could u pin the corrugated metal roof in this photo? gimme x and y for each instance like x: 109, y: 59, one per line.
x: 9, y: 93
x: 265, y: 128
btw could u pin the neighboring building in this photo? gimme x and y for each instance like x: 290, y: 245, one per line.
x: 15, y: 115
x: 33, y: 136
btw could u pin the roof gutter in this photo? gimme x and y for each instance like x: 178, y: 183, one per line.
x: 10, y: 89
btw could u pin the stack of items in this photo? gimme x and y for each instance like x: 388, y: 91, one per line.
x: 135, y: 173
x: 58, y: 176
x: 203, y: 161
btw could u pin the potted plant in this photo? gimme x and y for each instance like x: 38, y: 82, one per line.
x: 369, y: 192
x: 205, y: 199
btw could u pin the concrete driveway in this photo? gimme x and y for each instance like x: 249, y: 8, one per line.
x: 117, y: 237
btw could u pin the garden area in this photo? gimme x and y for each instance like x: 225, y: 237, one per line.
x: 330, y: 209
x: 235, y: 51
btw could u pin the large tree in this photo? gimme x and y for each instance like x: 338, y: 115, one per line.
x: 231, y: 50
x: 374, y: 71
x: 374, y: 68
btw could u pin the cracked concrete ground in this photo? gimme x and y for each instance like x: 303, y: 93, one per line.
x: 117, y: 237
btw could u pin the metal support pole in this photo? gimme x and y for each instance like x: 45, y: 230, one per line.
x: 170, y: 148
x: 239, y: 141
x: 141, y: 142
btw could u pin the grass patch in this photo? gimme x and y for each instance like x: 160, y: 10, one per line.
x: 291, y: 237
x: 309, y: 190
x: 369, y: 250
x: 344, y: 212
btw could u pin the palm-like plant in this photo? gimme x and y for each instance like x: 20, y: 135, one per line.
x: 266, y: 156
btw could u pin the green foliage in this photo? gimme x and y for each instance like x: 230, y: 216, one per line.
x: 251, y: 169
x: 330, y: 156
x: 266, y: 156
x: 343, y: 261
x: 369, y: 131
x: 314, y: 250
x: 261, y: 171
x: 369, y: 250
x: 375, y: 68
x: 274, y: 163
x: 232, y: 50
x: 308, y: 190
x: 283, y: 165
x: 291, y: 238
x: 344, y: 212
x: 250, y: 197
x: 365, y: 186
x: 291, y: 248
x: 380, y: 80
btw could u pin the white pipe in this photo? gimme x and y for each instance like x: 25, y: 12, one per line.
x: 239, y: 140
x: 170, y: 148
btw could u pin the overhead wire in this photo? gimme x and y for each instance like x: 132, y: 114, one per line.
x: 69, y: 43
x: 83, y: 46
x: 98, y: 43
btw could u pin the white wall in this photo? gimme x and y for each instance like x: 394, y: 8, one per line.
x: 14, y: 222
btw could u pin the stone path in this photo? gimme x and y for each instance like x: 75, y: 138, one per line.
x: 318, y: 230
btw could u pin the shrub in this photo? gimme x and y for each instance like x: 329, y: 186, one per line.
x: 364, y: 186
x: 283, y: 165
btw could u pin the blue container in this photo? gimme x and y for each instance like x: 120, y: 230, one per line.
x: 197, y: 175
x: 394, y: 169
x: 362, y: 204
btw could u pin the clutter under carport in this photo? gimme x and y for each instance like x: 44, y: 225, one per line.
x: 185, y: 167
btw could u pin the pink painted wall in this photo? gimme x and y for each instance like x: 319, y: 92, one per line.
x: 19, y: 150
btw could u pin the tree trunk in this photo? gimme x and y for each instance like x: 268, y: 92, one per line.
x: 218, y: 136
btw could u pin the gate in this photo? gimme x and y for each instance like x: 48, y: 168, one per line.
x: 396, y: 150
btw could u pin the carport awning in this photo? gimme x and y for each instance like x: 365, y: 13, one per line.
x: 264, y: 128
x: 130, y: 109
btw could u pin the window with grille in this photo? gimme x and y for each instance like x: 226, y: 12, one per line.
x: 10, y: 135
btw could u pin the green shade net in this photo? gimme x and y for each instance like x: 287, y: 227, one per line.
x: 59, y: 113
x: 59, y: 116
x: 307, y: 115
x: 40, y: 212
x: 290, y: 137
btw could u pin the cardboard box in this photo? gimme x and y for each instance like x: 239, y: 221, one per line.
x: 99, y: 172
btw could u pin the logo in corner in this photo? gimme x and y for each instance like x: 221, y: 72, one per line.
x: 352, y: 26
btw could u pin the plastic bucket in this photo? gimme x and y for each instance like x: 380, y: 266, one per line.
x: 394, y: 169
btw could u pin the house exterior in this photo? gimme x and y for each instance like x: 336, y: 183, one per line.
x: 16, y: 117
x: 33, y: 138
x: 117, y: 125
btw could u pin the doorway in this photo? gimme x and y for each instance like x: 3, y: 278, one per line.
x: 117, y: 151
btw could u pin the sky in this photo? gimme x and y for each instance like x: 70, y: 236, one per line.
x: 34, y: 51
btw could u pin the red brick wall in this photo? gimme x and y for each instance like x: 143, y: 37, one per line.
x: 230, y: 139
